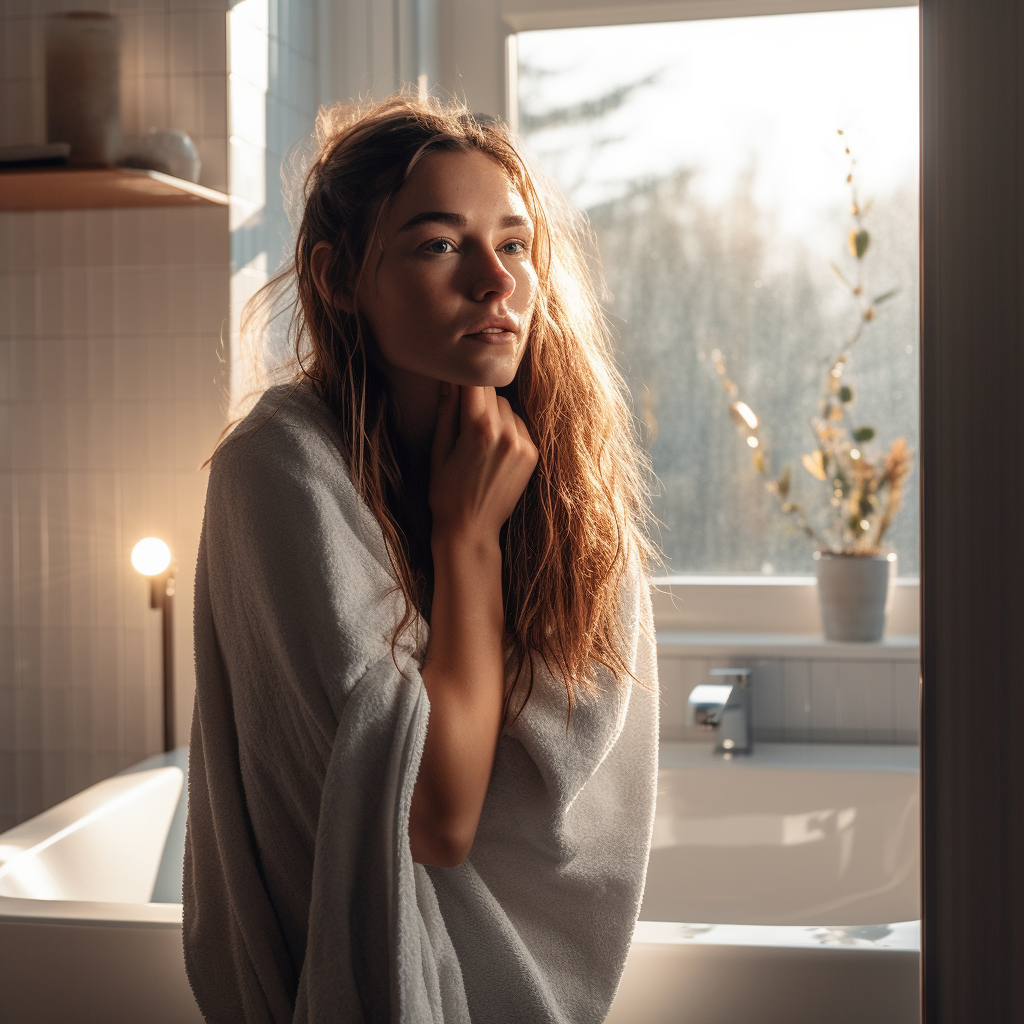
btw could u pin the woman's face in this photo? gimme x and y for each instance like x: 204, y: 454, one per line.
x: 452, y: 295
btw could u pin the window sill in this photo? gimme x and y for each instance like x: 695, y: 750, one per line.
x: 775, y: 606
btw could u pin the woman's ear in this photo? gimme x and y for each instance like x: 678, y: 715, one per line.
x: 319, y: 262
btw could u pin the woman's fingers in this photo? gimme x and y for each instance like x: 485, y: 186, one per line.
x: 484, y: 418
x: 473, y: 408
x: 505, y: 414
x: 479, y: 472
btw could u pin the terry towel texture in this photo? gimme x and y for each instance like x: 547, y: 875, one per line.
x: 301, y: 898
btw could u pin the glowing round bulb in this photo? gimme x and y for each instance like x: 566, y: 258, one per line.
x: 854, y: 453
x: 151, y: 556
x: 752, y: 441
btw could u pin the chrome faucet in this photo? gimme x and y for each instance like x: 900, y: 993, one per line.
x: 723, y: 707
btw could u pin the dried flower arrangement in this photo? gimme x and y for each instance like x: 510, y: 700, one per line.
x: 866, y: 491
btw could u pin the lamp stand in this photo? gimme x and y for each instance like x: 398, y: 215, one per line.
x: 161, y: 596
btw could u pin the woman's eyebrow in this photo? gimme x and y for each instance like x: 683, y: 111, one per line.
x: 456, y: 220
x: 515, y: 220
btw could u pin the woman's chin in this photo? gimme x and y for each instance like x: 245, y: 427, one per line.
x: 487, y: 376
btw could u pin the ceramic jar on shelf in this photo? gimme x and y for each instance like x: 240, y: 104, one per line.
x: 83, y: 85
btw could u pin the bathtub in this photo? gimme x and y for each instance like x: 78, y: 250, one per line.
x: 795, y: 871
x: 90, y: 911
x: 803, y: 862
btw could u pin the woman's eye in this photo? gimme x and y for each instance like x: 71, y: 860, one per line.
x: 513, y: 248
x: 440, y: 246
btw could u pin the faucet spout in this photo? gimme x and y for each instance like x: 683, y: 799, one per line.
x: 724, y: 708
x: 708, y: 702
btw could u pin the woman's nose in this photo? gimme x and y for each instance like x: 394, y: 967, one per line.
x: 491, y: 277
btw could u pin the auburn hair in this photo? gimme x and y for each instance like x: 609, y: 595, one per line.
x: 583, y: 515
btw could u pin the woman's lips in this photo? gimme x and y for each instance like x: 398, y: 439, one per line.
x: 493, y: 336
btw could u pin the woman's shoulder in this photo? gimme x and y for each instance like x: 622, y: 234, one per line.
x: 281, y: 472
x: 284, y: 459
x: 289, y: 429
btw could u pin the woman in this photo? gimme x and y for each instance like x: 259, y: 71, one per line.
x: 390, y: 820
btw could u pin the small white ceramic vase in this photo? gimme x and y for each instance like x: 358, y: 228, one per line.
x: 854, y: 594
x: 168, y: 150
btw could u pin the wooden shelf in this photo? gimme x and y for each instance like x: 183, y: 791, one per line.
x: 101, y: 188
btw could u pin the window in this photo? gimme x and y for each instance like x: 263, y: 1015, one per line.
x: 707, y: 157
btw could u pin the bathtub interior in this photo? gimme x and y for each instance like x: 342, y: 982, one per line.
x: 120, y: 841
x: 167, y: 884
x: 795, y: 834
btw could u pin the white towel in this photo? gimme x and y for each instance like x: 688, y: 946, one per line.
x: 301, y: 898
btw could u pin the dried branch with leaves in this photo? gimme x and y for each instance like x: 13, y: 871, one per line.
x: 866, y: 491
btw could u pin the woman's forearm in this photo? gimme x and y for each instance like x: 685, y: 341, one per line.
x: 481, y: 460
x: 464, y: 677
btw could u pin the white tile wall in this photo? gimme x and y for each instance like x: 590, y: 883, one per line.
x: 111, y: 393
x: 105, y: 425
x: 810, y: 700
x: 110, y: 375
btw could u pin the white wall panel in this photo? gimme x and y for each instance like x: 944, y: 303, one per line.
x: 767, y: 699
x: 878, y: 682
x: 907, y: 702
x: 801, y: 699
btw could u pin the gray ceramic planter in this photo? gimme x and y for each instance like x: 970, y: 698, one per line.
x: 854, y: 594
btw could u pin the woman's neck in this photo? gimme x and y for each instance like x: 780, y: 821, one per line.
x: 415, y: 399
x: 415, y: 402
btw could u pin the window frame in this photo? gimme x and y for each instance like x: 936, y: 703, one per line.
x: 758, y: 605
x: 476, y: 41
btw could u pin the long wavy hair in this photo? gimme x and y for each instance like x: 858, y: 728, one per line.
x: 583, y: 515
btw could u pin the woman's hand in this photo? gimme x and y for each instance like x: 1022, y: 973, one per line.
x: 481, y: 461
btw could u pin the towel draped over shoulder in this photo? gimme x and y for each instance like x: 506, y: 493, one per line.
x: 301, y: 899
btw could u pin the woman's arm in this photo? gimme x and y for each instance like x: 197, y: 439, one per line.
x: 481, y: 461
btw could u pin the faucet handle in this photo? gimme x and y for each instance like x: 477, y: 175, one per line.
x: 738, y: 676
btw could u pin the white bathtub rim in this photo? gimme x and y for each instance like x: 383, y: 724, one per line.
x: 15, y: 910
x: 902, y: 936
